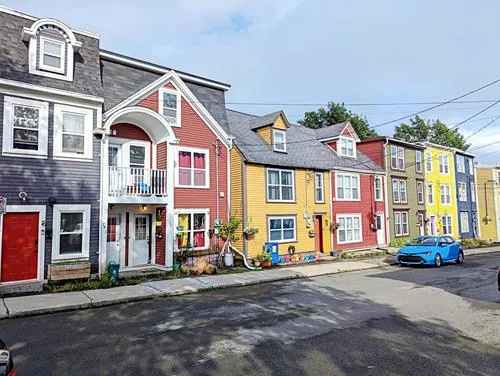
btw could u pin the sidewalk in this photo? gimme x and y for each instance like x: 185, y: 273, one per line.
x: 48, y: 303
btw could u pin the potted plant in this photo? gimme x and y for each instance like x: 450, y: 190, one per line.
x: 257, y: 260
x: 227, y: 232
x: 334, y: 226
x: 249, y: 232
x: 265, y: 260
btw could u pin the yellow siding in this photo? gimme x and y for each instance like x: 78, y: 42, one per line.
x: 237, y: 192
x: 265, y: 133
x: 486, y: 191
x: 280, y: 124
x: 437, y: 209
x: 259, y: 209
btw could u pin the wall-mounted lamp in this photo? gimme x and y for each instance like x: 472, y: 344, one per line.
x: 144, y: 207
x: 23, y: 196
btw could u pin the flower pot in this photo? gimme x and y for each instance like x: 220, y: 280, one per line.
x: 256, y: 262
x: 228, y: 259
x: 265, y: 263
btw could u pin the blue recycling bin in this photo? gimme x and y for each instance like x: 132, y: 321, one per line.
x: 114, y: 270
x: 272, y: 248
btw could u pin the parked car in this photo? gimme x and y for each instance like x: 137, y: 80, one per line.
x: 6, y: 362
x: 431, y: 250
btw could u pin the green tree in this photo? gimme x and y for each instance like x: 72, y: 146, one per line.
x: 337, y: 113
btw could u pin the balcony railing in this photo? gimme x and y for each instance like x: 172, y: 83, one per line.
x: 132, y: 181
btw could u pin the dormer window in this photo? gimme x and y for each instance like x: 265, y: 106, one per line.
x: 52, y: 55
x: 170, y: 106
x: 347, y: 147
x: 279, y: 140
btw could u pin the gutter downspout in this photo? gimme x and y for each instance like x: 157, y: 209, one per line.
x: 386, y: 192
x: 217, y: 218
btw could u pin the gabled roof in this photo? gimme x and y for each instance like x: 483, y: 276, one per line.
x: 269, y: 119
x: 414, y: 145
x: 448, y: 148
x: 331, y: 131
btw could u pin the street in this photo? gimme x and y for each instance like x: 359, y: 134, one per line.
x: 390, y: 321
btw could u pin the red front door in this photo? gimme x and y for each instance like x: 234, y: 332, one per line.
x: 318, y: 228
x: 19, y: 246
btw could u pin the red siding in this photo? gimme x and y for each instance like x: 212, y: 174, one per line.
x: 161, y: 242
x: 161, y: 157
x: 346, y: 132
x: 374, y: 150
x: 129, y: 131
x: 150, y: 102
x: 367, y: 207
x: 333, y: 145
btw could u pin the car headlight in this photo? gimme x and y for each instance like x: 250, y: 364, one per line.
x: 428, y: 253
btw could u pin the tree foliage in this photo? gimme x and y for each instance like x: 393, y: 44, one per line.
x: 337, y: 113
x: 435, y: 131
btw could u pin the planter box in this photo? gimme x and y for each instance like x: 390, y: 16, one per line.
x: 66, y: 271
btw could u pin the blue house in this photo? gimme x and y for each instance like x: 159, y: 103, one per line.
x: 466, y: 194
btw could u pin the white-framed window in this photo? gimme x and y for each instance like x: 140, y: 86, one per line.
x: 428, y: 161
x: 71, y: 232
x: 445, y: 194
x: 399, y: 195
x: 319, y: 188
x: 397, y: 157
x: 462, y: 191
x: 378, y: 188
x: 170, y: 106
x: 279, y: 140
x: 464, y: 221
x: 446, y: 224
x: 473, y: 191
x: 347, y: 147
x: 73, y: 132
x: 192, y: 228
x: 280, y: 185
x: 418, y: 160
x: 460, y: 163
x: 420, y: 192
x: 401, y: 227
x: 193, y: 168
x: 430, y: 193
x: 349, y: 230
x: 444, y: 166
x: 52, y: 55
x: 347, y: 187
x: 470, y: 162
x: 25, y: 127
x: 281, y: 229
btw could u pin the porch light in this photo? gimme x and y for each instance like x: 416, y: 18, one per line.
x: 144, y: 207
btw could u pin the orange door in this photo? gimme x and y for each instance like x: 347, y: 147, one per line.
x: 319, y: 233
x: 19, y: 247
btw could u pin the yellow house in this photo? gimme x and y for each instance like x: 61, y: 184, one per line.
x: 440, y: 191
x: 280, y: 186
x: 488, y: 199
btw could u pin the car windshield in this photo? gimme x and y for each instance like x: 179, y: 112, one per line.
x: 429, y: 240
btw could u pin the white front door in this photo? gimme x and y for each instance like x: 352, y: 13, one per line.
x: 139, y: 246
x: 432, y: 225
x: 420, y: 220
x: 113, y: 238
x: 380, y: 229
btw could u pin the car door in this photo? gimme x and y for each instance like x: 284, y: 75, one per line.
x: 444, y: 248
x: 454, y: 248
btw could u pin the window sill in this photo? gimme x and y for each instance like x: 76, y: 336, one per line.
x: 22, y: 154
x: 57, y: 259
x: 191, y: 187
x: 350, y: 242
x: 282, y: 201
x: 283, y: 241
x: 61, y: 157
x: 348, y: 199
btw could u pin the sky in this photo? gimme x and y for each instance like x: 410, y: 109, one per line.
x: 297, y: 55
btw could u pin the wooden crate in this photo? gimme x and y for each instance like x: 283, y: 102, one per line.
x: 66, y: 271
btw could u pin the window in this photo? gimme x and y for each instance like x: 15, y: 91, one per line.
x: 444, y: 168
x: 170, y: 106
x: 430, y: 193
x: 445, y: 193
x: 472, y: 192
x: 71, y: 232
x: 446, y: 224
x: 73, y: 132
x: 428, y: 161
x: 418, y: 160
x: 347, y: 187
x: 378, y: 188
x: 319, y: 188
x: 460, y: 163
x: 52, y: 55
x: 399, y: 191
x: 397, y: 158
x: 281, y: 229
x: 471, y: 166
x: 280, y: 185
x: 401, y: 227
x: 25, y: 127
x: 192, y: 229
x: 349, y: 230
x: 347, y: 147
x: 279, y: 140
x: 193, y: 168
x: 462, y: 192
x: 420, y: 192
x: 464, y: 221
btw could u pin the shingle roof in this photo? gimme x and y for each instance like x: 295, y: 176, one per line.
x: 331, y: 131
x: 303, y: 148
x: 262, y: 121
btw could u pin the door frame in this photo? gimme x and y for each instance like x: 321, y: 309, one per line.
x: 131, y: 237
x: 122, y: 234
x: 41, y: 210
x: 319, y: 234
x: 382, y: 229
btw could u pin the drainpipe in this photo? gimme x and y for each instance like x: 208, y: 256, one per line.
x: 386, y: 192
x: 217, y: 152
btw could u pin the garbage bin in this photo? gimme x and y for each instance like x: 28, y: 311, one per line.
x: 272, y: 248
x: 114, y: 270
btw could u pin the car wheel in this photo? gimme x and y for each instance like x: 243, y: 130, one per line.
x: 460, y: 257
x: 438, y: 261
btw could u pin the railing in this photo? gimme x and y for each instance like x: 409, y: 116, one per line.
x: 132, y: 181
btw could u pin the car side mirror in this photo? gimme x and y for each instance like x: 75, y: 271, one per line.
x: 441, y: 244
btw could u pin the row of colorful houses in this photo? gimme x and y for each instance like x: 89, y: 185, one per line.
x: 108, y: 158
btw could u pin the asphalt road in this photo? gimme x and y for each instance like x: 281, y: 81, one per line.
x: 393, y: 321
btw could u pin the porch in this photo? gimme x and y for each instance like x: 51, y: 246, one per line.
x: 137, y: 185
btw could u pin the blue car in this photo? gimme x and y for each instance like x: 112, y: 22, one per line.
x: 431, y: 250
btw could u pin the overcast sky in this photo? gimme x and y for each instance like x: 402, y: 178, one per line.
x: 286, y: 52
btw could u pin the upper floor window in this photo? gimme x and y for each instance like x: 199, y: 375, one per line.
x: 473, y: 191
x: 378, y: 188
x: 52, y: 55
x: 170, y: 106
x: 347, y: 147
x: 420, y: 192
x: 462, y: 191
x: 428, y: 161
x: 280, y: 185
x: 460, y: 163
x: 418, y: 160
x: 471, y: 166
x: 347, y: 187
x: 25, y: 127
x: 192, y: 168
x: 430, y: 193
x: 399, y: 195
x: 445, y: 194
x: 397, y: 157
x: 279, y: 140
x: 444, y: 167
x: 319, y: 189
x: 72, y: 132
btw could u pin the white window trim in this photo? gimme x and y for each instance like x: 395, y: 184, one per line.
x: 381, y: 198
x: 58, y: 128
x: 345, y: 216
x: 316, y: 188
x: 49, y: 68
x: 177, y: 93
x: 467, y: 222
x: 470, y: 163
x: 431, y: 190
x: 428, y: 158
x: 207, y: 167
x: 451, y: 224
x: 460, y: 163
x: 282, y: 217
x: 399, y: 201
x: 354, y: 151
x: 8, y: 130
x: 444, y: 157
x: 205, y: 211
x: 464, y: 185
x: 421, y: 183
x: 280, y: 185
x: 398, y: 148
x: 417, y: 153
x: 56, y: 226
x: 401, y: 223
x: 280, y: 131
x: 445, y: 195
x: 337, y: 174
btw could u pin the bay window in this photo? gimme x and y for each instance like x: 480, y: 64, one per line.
x: 192, y: 168
x: 280, y: 185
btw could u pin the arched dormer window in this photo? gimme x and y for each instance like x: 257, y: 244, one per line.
x: 52, y: 46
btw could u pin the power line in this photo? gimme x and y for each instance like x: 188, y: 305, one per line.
x: 476, y: 114
x: 357, y: 104
x: 484, y: 127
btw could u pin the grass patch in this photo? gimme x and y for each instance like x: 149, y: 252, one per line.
x: 475, y: 243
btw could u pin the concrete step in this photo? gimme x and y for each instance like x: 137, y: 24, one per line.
x: 21, y: 287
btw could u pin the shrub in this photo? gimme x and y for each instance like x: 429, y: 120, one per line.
x: 346, y: 256
x: 399, y: 242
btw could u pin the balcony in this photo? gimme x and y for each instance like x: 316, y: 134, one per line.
x: 137, y: 185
